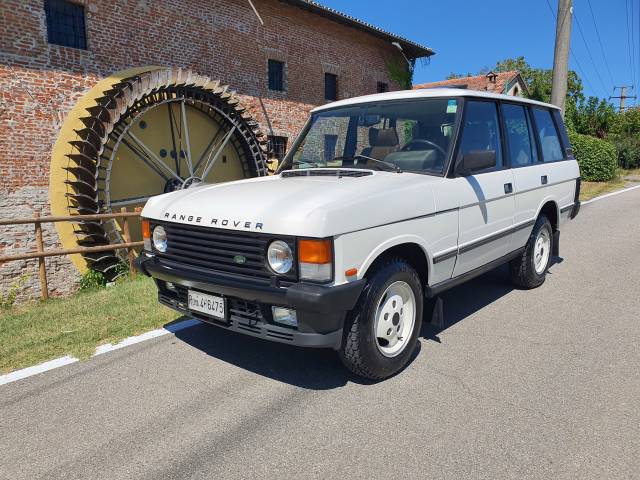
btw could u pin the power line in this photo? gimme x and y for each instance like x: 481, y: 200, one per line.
x: 586, y: 45
x: 631, y: 59
x: 604, y: 56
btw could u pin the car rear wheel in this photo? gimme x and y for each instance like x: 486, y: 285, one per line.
x: 530, y: 269
x: 381, y: 332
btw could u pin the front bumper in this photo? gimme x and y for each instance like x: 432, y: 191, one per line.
x: 320, y: 309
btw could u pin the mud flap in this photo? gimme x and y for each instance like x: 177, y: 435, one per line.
x: 556, y: 244
x: 435, y: 312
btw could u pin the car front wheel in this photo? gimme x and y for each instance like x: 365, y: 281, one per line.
x: 381, y: 332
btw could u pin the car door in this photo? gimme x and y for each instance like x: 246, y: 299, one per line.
x: 529, y: 173
x: 486, y: 203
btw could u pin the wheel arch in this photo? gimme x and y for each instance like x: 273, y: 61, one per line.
x: 411, y: 248
x: 550, y: 209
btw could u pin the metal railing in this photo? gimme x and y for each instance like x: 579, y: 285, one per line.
x: 41, y: 253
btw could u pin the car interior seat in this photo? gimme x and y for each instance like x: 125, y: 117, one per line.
x: 382, y: 142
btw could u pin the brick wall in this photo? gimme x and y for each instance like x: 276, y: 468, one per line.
x: 40, y: 83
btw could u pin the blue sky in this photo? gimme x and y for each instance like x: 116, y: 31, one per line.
x: 468, y: 35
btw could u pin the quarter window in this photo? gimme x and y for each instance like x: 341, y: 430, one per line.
x: 548, y: 135
x: 481, y: 132
x: 276, y: 75
x: 522, y: 150
x: 65, y: 24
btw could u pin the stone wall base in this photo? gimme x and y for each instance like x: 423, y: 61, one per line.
x: 63, y: 277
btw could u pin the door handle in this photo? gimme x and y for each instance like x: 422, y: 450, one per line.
x: 508, y: 188
x: 544, y: 180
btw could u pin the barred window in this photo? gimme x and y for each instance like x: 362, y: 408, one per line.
x: 277, y: 146
x: 276, y: 75
x: 382, y: 87
x: 330, y: 86
x: 65, y: 24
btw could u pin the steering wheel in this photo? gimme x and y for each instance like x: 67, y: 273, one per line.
x: 421, y: 141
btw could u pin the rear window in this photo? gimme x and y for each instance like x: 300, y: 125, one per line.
x: 548, y: 135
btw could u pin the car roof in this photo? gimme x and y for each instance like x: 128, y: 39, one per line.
x: 427, y: 93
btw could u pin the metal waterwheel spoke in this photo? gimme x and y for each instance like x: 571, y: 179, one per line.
x: 218, y: 153
x: 186, y: 138
x: 145, y: 159
x: 173, y: 138
x: 154, y: 158
x: 207, y: 151
x: 129, y: 201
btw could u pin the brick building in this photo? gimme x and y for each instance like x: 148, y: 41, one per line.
x: 289, y: 57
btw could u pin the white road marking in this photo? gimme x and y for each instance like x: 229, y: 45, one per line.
x: 36, y: 369
x: 176, y: 327
x: 67, y: 359
x: 628, y: 189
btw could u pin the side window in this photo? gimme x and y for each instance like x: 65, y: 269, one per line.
x: 548, y: 135
x: 481, y: 132
x: 522, y: 149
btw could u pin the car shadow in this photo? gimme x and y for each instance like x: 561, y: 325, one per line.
x: 464, y: 300
x: 321, y: 369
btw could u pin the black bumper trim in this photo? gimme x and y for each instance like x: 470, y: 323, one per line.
x: 268, y: 331
x: 320, y: 309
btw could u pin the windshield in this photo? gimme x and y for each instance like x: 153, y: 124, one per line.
x: 408, y: 135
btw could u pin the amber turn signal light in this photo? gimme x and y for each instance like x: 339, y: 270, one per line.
x: 351, y: 272
x: 314, y: 251
x: 146, y: 229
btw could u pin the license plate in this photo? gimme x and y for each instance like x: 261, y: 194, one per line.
x: 211, y: 305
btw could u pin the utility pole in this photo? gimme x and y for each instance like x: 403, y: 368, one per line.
x: 561, y: 53
x: 623, y: 95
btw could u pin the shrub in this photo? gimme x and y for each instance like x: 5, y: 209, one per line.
x: 91, y: 280
x: 597, y: 158
x: 7, y: 301
x: 628, y: 152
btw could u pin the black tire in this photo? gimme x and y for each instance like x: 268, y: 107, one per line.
x: 522, y: 269
x: 359, y: 351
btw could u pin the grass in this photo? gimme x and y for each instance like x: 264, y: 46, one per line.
x: 39, y: 331
x: 589, y: 190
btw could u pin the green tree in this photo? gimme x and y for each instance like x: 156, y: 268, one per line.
x: 539, y: 80
x: 593, y: 117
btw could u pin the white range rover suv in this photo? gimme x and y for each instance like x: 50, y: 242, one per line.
x: 383, y: 202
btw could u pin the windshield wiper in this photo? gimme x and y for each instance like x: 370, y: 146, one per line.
x: 388, y: 166
x: 305, y: 162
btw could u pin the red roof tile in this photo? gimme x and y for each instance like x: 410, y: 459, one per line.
x: 491, y: 82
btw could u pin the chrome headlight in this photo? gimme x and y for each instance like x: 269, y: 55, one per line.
x: 280, y: 257
x: 160, y: 239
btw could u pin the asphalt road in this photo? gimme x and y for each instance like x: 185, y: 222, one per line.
x: 521, y: 384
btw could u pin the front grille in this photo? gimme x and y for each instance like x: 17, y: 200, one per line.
x: 218, y: 250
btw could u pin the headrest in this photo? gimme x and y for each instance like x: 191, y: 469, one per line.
x: 383, y: 137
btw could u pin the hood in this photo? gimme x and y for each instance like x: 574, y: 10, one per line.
x: 312, y: 206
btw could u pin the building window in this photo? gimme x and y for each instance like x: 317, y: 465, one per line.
x: 65, y: 24
x: 383, y: 87
x: 277, y: 146
x: 330, y: 86
x: 276, y: 75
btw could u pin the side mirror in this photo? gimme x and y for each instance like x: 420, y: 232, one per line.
x: 478, y: 160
